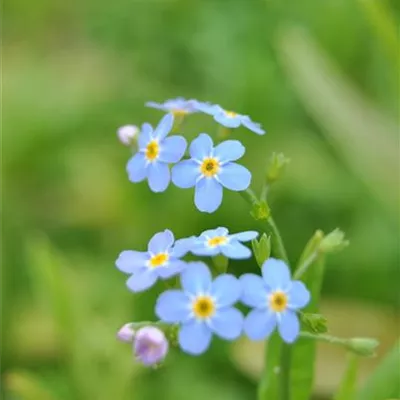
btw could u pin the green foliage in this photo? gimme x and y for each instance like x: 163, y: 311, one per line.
x: 347, y: 388
x: 261, y: 248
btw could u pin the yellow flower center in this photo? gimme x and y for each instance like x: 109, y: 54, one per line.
x: 152, y: 150
x: 216, y: 241
x: 179, y: 112
x: 158, y: 259
x: 203, y: 307
x: 209, y: 167
x: 278, y: 301
x: 230, y: 114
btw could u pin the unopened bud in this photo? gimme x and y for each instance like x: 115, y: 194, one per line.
x: 127, y: 133
x: 150, y: 346
x: 126, y: 333
x: 362, y: 346
x: 261, y: 249
x: 276, y: 166
x: 315, y: 323
x: 333, y: 242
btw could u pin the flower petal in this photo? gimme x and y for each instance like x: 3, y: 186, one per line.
x: 185, y: 174
x: 158, y: 176
x: 137, y: 168
x: 234, y: 176
x: 276, y: 274
x: 207, y: 108
x: 153, y: 104
x: 226, y: 289
x: 221, y: 231
x: 196, y: 278
x: 253, y: 126
x: 227, y: 323
x: 254, y: 292
x: 289, y: 326
x: 129, y: 261
x: 230, y: 150
x: 164, y: 127
x: 161, y: 242
x: 145, y: 135
x: 142, y: 280
x: 194, y: 337
x: 172, y: 149
x: 259, y: 324
x: 229, y: 122
x: 299, y: 296
x: 173, y: 306
x: 244, y: 236
x: 208, y: 195
x: 174, y: 267
x: 235, y: 250
x: 182, y: 247
x: 201, y: 249
x: 201, y: 147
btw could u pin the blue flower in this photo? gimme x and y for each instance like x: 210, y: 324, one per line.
x: 275, y: 298
x: 161, y: 260
x: 210, y: 169
x: 230, y: 119
x: 178, y: 106
x: 156, y: 151
x: 217, y: 241
x: 202, y: 307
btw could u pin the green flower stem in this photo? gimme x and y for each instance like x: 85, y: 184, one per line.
x: 303, y: 267
x: 284, y: 368
x: 264, y: 192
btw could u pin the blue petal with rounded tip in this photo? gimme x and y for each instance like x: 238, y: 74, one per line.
x: 145, y: 135
x: 201, y: 147
x: 158, y: 176
x: 137, y: 168
x: 172, y: 306
x: 228, y: 122
x: 244, y: 236
x: 161, y: 242
x: 142, y: 281
x: 130, y: 261
x: 259, y: 324
x: 234, y: 177
x: 182, y: 247
x: 235, y: 250
x: 254, y: 292
x: 185, y: 174
x: 298, y: 295
x: 289, y: 326
x: 229, y: 150
x: 174, y: 267
x: 208, y: 195
x: 164, y: 127
x: 196, y: 278
x: 276, y: 274
x: 172, y: 149
x: 194, y: 337
x: 226, y: 289
x: 253, y: 126
x: 227, y: 323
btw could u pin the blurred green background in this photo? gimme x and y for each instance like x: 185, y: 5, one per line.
x: 320, y: 76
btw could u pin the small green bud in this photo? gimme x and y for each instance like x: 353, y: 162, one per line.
x: 362, y: 346
x: 220, y: 263
x: 276, y: 166
x: 260, y: 211
x: 333, y: 242
x: 315, y: 323
x: 261, y: 249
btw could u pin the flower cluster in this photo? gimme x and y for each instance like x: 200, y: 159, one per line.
x: 203, y: 306
x: 210, y: 167
x: 198, y: 306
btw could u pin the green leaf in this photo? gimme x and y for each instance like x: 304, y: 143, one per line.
x: 347, y: 386
x: 384, y: 383
x: 303, y: 351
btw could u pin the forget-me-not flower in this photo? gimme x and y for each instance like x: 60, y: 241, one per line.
x: 210, y: 169
x: 161, y: 260
x: 230, y: 119
x: 156, y: 151
x: 275, y: 298
x: 202, y: 308
x: 219, y: 241
x: 178, y: 106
